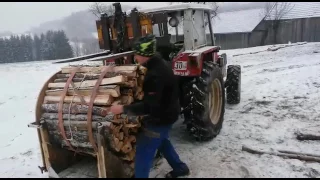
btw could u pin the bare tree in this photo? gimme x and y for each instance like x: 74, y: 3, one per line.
x: 274, y: 12
x: 97, y: 8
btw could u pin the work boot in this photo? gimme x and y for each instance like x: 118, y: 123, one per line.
x: 182, y: 171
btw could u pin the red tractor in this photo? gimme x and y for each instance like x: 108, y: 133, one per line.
x: 185, y: 39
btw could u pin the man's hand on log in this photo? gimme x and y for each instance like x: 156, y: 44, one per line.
x: 116, y: 109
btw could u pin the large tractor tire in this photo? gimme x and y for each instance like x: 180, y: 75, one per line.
x: 206, y: 101
x: 233, y: 84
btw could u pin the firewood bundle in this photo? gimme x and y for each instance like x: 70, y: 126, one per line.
x: 78, y: 92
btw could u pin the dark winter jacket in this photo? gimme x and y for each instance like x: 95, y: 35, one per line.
x: 161, y: 95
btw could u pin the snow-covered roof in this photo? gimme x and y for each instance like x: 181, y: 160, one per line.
x: 237, y: 21
x: 177, y: 7
x: 299, y: 10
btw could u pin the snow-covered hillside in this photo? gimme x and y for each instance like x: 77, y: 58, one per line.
x: 280, y: 95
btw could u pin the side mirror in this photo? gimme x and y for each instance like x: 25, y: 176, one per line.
x: 174, y: 22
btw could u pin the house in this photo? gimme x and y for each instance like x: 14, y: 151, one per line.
x: 249, y: 28
x: 233, y: 29
x: 300, y: 23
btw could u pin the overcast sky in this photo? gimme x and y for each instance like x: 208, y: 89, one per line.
x: 19, y: 17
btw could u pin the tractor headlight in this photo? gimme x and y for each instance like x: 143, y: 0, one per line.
x: 173, y: 22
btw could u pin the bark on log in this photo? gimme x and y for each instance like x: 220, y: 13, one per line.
x: 86, y: 69
x: 129, y: 119
x: 78, y: 117
x: 74, y: 125
x: 286, y: 155
x: 80, y: 137
x: 66, y: 79
x: 91, y: 83
x: 80, y: 140
x: 85, y: 145
x: 113, y: 90
x: 303, y: 136
x: 74, y: 109
x: 103, y: 100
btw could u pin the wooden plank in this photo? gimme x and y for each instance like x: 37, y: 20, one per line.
x: 103, y: 100
x: 38, y: 112
x: 90, y: 83
x: 101, y: 158
x: 98, y: 69
x: 113, y: 90
x: 44, y: 146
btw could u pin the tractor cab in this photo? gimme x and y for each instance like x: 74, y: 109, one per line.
x: 178, y: 28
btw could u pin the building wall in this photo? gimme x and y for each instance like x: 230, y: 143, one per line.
x: 294, y: 30
x: 232, y: 41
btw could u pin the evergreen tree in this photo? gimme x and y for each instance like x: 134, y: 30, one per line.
x: 8, y: 52
x: 36, y: 48
x: 14, y: 48
x: 2, y: 51
x: 47, y: 46
x: 63, y: 48
x: 42, y: 39
x: 22, y: 49
x: 29, y: 49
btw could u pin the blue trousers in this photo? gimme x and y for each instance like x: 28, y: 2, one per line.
x: 146, y: 149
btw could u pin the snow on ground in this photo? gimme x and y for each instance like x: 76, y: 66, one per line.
x: 280, y: 94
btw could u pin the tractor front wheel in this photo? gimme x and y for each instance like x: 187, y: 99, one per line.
x: 206, y: 103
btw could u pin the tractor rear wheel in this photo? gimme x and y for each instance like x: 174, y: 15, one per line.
x: 206, y: 97
x: 233, y: 84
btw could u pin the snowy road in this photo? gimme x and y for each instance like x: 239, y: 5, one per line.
x: 280, y: 95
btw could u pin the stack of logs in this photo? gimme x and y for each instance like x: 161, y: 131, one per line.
x: 119, y: 85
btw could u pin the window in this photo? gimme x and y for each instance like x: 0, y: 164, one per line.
x: 144, y: 30
x: 158, y: 30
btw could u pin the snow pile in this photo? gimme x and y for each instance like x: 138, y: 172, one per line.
x: 280, y: 95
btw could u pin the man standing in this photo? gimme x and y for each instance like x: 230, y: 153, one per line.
x: 161, y: 107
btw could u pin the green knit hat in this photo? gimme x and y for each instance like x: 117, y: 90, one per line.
x: 145, y: 46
